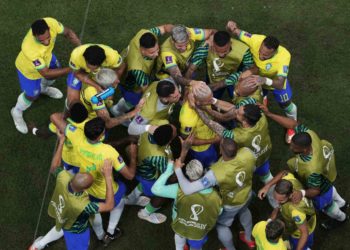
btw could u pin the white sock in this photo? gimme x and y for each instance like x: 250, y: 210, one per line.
x: 337, y: 198
x: 96, y: 224
x: 291, y: 111
x: 179, y: 242
x: 136, y: 193
x: 266, y: 178
x: 335, y: 213
x: 51, y: 236
x: 46, y: 83
x: 114, y: 216
x: 22, y: 103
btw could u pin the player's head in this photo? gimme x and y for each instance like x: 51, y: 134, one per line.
x: 194, y: 170
x: 94, y: 56
x: 106, y: 77
x: 228, y: 148
x: 94, y: 129
x: 41, y: 32
x: 149, y: 45
x: 164, y: 134
x: 268, y: 48
x: 201, y: 92
x: 222, y: 43
x: 301, y: 143
x: 283, y: 190
x: 81, y: 182
x: 168, y: 91
x: 242, y: 88
x: 250, y: 114
x: 274, y: 230
x: 180, y: 37
x: 77, y: 112
x: 176, y: 146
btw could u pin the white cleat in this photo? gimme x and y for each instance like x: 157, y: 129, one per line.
x: 33, y: 246
x: 155, y: 218
x: 20, y: 124
x: 141, y: 201
x: 52, y: 92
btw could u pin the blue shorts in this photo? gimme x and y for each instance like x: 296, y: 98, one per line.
x: 220, y: 92
x: 146, y: 185
x: 76, y: 241
x: 281, y: 95
x: 70, y: 168
x: 324, y: 200
x: 129, y: 96
x: 73, y: 82
x: 197, y: 244
x: 117, y: 196
x: 264, y: 169
x: 207, y: 157
x: 294, y: 242
x: 31, y: 87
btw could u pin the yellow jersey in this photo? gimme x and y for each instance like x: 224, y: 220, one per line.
x: 278, y: 65
x: 91, y: 158
x: 86, y: 94
x: 77, y: 60
x: 192, y: 123
x: 262, y: 242
x: 35, y: 56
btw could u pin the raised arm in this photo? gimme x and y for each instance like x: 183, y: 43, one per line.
x: 165, y: 28
x: 71, y: 36
x: 264, y: 190
x: 282, y: 120
x: 129, y: 171
x: 160, y: 188
x: 216, y: 127
x: 57, y: 158
x: 107, y: 174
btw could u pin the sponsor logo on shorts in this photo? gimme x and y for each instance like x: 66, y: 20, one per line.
x: 247, y: 34
x: 188, y: 129
x: 120, y: 159
x: 268, y: 66
x: 168, y: 59
x: 37, y: 63
x: 139, y: 119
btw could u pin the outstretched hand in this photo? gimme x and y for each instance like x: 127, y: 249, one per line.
x: 178, y: 163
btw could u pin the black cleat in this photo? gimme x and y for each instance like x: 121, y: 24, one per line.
x: 110, y: 237
x: 331, y: 224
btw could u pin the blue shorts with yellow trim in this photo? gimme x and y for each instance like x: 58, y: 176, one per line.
x: 73, y: 82
x: 207, y: 157
x: 294, y: 242
x: 130, y: 96
x: 281, y: 95
x: 322, y: 201
x: 117, y: 196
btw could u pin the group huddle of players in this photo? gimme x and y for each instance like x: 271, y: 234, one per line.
x: 203, y: 157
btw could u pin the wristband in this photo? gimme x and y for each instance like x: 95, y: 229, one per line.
x: 268, y: 81
x: 303, y: 192
x: 34, y: 130
x: 269, y: 220
x: 147, y: 127
x: 214, y: 101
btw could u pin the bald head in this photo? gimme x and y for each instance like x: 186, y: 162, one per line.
x: 82, y: 181
x: 201, y: 91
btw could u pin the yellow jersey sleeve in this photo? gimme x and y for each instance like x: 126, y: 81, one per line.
x: 196, y: 34
x: 54, y: 25
x: 113, y: 59
x: 257, y: 229
x: 73, y: 134
x: 89, y: 92
x: 118, y: 162
x: 298, y: 217
x: 169, y: 59
x: 284, y: 61
x: 188, y: 119
x: 76, y: 59
x: 252, y: 40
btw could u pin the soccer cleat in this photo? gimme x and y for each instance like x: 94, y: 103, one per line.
x: 110, y: 237
x: 33, y: 246
x: 250, y: 244
x: 52, y: 92
x: 345, y: 207
x: 155, y: 218
x: 20, y: 124
x: 289, y: 135
x: 140, y: 201
x: 332, y: 223
x: 186, y: 247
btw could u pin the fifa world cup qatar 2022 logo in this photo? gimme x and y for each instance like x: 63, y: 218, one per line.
x: 196, y: 210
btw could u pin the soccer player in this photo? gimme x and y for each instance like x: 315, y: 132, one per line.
x: 159, y: 100
x: 193, y: 215
x: 85, y: 61
x: 272, y: 64
x: 91, y: 152
x: 37, y: 66
x: 177, y: 51
x: 268, y: 235
x: 153, y: 156
x: 252, y: 132
x: 105, y: 78
x: 314, y: 166
x: 226, y: 58
x: 299, y: 218
x: 141, y: 57
x: 70, y: 205
x: 233, y: 174
x: 203, y: 148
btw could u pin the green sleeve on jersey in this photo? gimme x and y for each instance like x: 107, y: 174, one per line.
x: 155, y: 31
x: 248, y: 100
x: 319, y: 181
x: 141, y: 78
x: 91, y: 208
x: 228, y: 134
x: 81, y: 223
x: 160, y: 162
x: 57, y: 171
x: 301, y: 128
x: 200, y: 54
x: 246, y: 63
